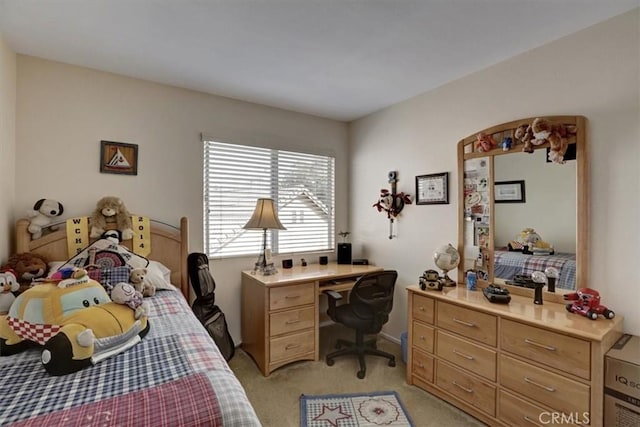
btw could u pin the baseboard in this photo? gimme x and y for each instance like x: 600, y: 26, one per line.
x: 389, y: 337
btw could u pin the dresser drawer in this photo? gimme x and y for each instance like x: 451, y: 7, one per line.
x: 423, y: 308
x: 469, y: 323
x: 558, y: 392
x: 515, y: 411
x: 422, y: 365
x: 423, y: 336
x: 291, y: 296
x: 466, y: 354
x: 568, y: 354
x: 466, y: 387
x: 290, y: 346
x: 291, y: 320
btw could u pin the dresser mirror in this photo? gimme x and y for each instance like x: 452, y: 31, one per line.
x: 520, y: 212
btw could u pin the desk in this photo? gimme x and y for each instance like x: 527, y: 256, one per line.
x: 280, y: 315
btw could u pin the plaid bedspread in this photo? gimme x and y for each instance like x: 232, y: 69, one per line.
x: 174, y: 376
x: 508, y: 264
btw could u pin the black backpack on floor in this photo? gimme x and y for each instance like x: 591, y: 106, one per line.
x: 204, y: 306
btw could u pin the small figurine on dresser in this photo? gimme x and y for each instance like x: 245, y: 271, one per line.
x: 586, y: 301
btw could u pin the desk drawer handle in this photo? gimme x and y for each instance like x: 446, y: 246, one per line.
x: 546, y: 347
x: 462, y: 322
x: 551, y: 389
x: 421, y: 308
x: 292, y: 296
x: 292, y: 321
x: 466, y: 356
x: 526, y: 418
x: 290, y: 346
x: 422, y: 337
x: 468, y: 390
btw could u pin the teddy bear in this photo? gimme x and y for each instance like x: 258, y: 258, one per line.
x: 27, y: 267
x: 124, y: 293
x: 556, y: 134
x: 524, y: 134
x: 136, y: 278
x: 485, y: 142
x: 41, y: 216
x: 111, y: 209
x: 8, y: 285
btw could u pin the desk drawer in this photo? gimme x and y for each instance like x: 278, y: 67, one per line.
x: 422, y: 365
x: 466, y: 354
x: 568, y: 354
x: 558, y: 392
x: 465, y: 387
x: 423, y: 337
x: 291, y: 320
x: 291, y: 296
x: 423, y: 308
x: 290, y: 346
x: 469, y: 323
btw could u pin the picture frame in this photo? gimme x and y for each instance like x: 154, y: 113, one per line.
x: 509, y: 192
x: 119, y: 158
x: 432, y: 189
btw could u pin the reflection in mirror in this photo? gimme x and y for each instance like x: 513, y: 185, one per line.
x: 548, y: 213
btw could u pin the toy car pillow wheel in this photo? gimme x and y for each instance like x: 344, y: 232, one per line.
x: 592, y: 315
x: 609, y: 314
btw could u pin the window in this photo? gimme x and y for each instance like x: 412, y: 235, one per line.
x: 302, y: 186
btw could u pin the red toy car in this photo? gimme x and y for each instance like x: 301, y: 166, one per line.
x: 586, y: 301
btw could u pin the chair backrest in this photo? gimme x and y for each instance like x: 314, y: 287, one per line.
x: 372, y: 297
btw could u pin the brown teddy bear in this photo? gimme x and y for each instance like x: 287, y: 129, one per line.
x: 111, y: 209
x: 524, y: 134
x: 28, y: 267
x: 136, y: 278
x: 556, y: 134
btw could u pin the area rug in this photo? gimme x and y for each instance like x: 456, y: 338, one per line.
x: 382, y: 408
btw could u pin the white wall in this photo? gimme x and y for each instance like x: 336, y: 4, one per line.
x: 63, y: 112
x: 593, y: 73
x: 7, y: 145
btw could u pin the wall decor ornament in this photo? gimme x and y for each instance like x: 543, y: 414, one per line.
x: 391, y: 202
x: 119, y: 158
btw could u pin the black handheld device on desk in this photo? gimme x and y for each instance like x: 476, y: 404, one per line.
x: 496, y: 294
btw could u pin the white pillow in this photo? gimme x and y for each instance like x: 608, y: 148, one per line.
x: 159, y: 276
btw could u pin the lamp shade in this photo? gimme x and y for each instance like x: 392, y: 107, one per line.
x: 264, y: 217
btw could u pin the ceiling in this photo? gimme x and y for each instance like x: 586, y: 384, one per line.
x: 340, y: 59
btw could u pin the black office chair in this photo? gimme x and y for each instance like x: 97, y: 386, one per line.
x: 370, y: 303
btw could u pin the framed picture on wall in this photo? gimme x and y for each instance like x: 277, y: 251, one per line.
x: 119, y: 158
x: 432, y: 189
x: 509, y: 192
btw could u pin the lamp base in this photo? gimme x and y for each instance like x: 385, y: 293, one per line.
x: 265, y: 269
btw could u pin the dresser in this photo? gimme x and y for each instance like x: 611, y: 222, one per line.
x: 280, y: 315
x: 516, y: 364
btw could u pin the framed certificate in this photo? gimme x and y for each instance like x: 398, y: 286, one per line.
x: 432, y: 189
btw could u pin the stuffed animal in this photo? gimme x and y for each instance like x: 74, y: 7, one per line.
x: 8, y: 285
x: 529, y: 241
x: 111, y: 209
x: 524, y: 134
x: 77, y: 324
x: 28, y: 267
x: 41, y: 216
x: 556, y: 134
x: 124, y: 293
x: 392, y: 204
x: 137, y: 279
x: 485, y: 142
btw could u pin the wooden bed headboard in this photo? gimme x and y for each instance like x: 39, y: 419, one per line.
x: 169, y: 245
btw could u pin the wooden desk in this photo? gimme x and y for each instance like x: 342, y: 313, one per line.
x: 280, y: 316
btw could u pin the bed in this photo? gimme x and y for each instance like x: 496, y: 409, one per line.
x: 507, y: 264
x: 174, y: 376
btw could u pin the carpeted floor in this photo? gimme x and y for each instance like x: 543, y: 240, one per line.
x: 276, y: 397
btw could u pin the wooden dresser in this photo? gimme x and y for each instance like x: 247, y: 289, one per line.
x: 519, y: 364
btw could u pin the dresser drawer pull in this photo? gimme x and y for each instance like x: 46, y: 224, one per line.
x: 466, y: 356
x: 462, y: 322
x: 291, y: 296
x: 292, y: 321
x: 421, y: 365
x: 423, y: 338
x: 290, y: 346
x: 421, y: 308
x: 537, y: 344
x: 468, y: 390
x: 539, y: 385
x: 526, y: 418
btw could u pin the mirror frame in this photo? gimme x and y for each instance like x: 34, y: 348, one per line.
x: 467, y: 150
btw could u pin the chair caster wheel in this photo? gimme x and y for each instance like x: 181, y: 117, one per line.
x: 392, y: 362
x: 330, y: 362
x: 360, y: 374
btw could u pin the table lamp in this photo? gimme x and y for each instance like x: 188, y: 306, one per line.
x: 264, y: 218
